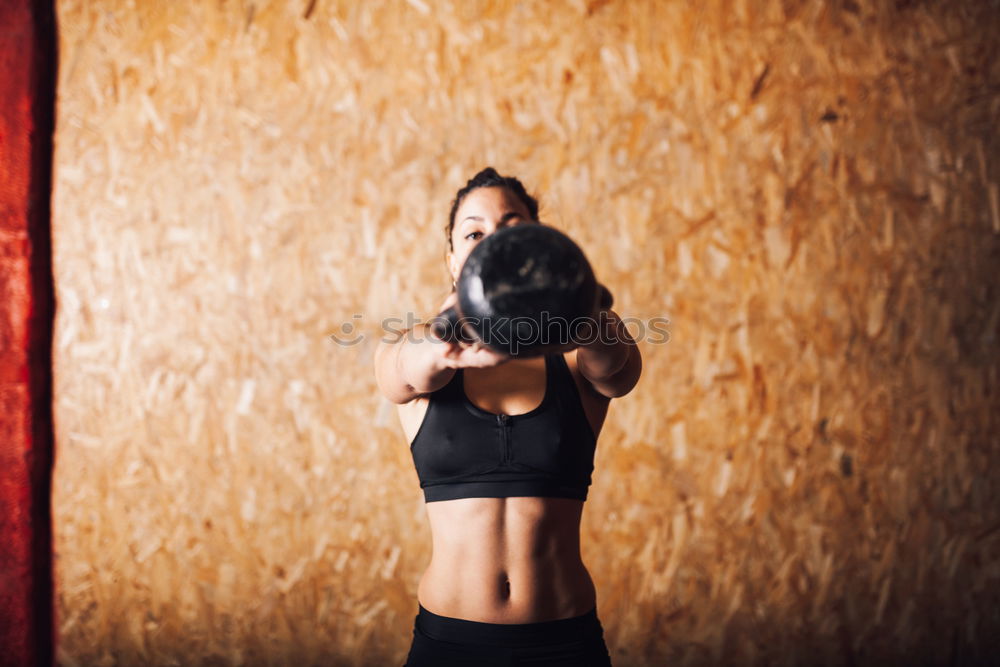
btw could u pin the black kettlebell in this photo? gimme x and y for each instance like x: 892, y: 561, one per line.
x: 523, y: 290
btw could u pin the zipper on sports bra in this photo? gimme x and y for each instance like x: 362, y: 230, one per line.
x: 505, y: 437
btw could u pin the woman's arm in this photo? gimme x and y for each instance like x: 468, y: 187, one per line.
x: 418, y: 363
x: 411, y: 366
x: 611, y: 362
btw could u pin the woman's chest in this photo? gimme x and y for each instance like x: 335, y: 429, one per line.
x: 458, y: 439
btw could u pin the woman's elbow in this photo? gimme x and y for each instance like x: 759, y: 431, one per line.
x: 387, y: 378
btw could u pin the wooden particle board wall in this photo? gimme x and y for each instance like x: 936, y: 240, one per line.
x: 806, y: 191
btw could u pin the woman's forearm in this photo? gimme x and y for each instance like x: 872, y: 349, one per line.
x: 411, y: 366
x: 599, y: 361
x: 421, y: 364
x: 612, y: 362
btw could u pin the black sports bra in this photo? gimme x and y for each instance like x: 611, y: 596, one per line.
x: 463, y: 451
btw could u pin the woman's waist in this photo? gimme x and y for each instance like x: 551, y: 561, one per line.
x: 495, y: 590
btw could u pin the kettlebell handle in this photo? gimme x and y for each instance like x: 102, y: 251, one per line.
x: 445, y: 327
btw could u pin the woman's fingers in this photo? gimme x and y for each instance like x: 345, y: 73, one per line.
x: 464, y: 353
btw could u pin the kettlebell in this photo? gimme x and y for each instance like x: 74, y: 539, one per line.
x: 522, y: 291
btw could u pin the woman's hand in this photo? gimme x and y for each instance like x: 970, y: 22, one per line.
x: 459, y: 354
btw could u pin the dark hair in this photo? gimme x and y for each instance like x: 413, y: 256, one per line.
x: 489, y: 178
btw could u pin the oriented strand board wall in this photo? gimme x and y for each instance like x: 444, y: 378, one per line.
x: 807, y: 190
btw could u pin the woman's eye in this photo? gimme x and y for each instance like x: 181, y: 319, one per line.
x: 470, y: 234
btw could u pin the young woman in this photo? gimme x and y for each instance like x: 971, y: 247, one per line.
x: 504, y: 451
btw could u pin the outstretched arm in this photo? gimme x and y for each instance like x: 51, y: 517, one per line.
x: 418, y: 363
x: 611, y: 362
x: 411, y: 366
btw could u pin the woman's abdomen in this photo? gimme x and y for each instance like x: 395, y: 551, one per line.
x: 506, y: 560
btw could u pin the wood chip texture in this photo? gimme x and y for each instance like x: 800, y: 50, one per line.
x: 806, y: 190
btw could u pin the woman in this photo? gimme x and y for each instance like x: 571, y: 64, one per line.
x: 504, y: 451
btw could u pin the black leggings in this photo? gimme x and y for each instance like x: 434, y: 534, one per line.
x: 443, y: 641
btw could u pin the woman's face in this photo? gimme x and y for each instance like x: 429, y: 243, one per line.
x: 482, y: 212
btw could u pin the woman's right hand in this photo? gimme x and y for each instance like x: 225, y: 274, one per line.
x: 459, y: 354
